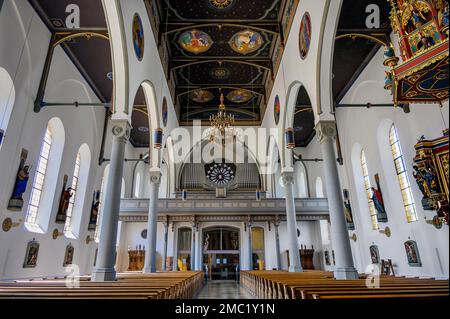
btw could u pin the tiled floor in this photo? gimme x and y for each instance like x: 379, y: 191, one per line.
x: 223, y: 290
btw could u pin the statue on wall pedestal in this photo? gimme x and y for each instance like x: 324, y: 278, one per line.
x: 348, y: 211
x: 377, y: 198
x: 94, y: 211
x: 64, y: 201
x: 16, y: 201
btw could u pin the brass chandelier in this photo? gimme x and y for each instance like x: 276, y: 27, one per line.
x: 221, y: 121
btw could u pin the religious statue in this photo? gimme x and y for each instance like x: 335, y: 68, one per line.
x: 64, y: 201
x: 20, y: 185
x: 425, y: 41
x: 348, y: 211
x: 206, y: 243
x: 377, y: 199
x: 94, y: 211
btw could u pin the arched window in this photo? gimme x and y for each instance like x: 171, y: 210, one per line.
x: 79, y: 188
x: 39, y: 179
x: 100, y: 209
x: 368, y: 187
x: 7, y: 97
x: 137, y: 186
x: 402, y: 174
x: 319, y: 188
x: 76, y: 176
x: 46, y: 177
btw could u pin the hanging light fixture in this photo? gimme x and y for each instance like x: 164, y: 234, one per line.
x: 221, y: 122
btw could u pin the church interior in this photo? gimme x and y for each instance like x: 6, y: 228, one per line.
x: 233, y: 149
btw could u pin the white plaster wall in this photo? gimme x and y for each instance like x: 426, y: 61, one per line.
x: 23, y: 58
x: 369, y: 129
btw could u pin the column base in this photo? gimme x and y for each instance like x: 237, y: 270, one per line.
x: 295, y: 269
x: 345, y: 274
x: 103, y: 274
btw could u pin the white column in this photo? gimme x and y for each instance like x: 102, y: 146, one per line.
x: 249, y: 245
x: 291, y: 218
x: 344, y: 269
x: 150, y: 256
x: 277, y: 244
x: 104, y: 269
x: 193, y: 241
x: 175, y: 247
x: 166, y: 238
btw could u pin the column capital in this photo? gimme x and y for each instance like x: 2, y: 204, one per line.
x: 155, y: 177
x: 121, y: 129
x: 287, y: 178
x: 326, y: 131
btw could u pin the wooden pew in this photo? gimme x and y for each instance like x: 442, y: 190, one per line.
x: 318, y: 285
x: 128, y: 285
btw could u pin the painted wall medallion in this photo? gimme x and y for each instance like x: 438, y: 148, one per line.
x: 374, y: 254
x: 239, y: 96
x: 305, y: 35
x: 221, y: 4
x: 138, y: 37
x: 165, y: 112
x: 412, y: 253
x: 202, y: 96
x: 31, y: 254
x: 277, y: 109
x: 144, y: 234
x: 195, y: 41
x: 246, y: 42
x: 68, y: 256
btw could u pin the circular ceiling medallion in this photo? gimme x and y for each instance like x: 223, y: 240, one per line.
x: 195, y: 41
x: 201, y: 96
x: 305, y: 35
x: 165, y: 112
x: 277, y: 109
x: 220, y: 173
x: 246, y: 42
x: 239, y: 96
x: 220, y: 73
x: 138, y: 37
x: 221, y: 4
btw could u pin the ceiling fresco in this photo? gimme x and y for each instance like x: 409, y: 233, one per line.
x: 214, y: 47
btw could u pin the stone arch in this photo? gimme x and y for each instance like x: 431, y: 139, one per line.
x: 119, y: 57
x: 7, y: 98
x: 295, y: 88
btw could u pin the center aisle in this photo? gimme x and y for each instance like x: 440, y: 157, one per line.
x: 224, y: 290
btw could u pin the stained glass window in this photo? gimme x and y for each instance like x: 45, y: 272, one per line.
x: 402, y: 174
x: 368, y: 187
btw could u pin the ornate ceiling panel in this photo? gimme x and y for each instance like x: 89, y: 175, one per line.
x: 221, y: 46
